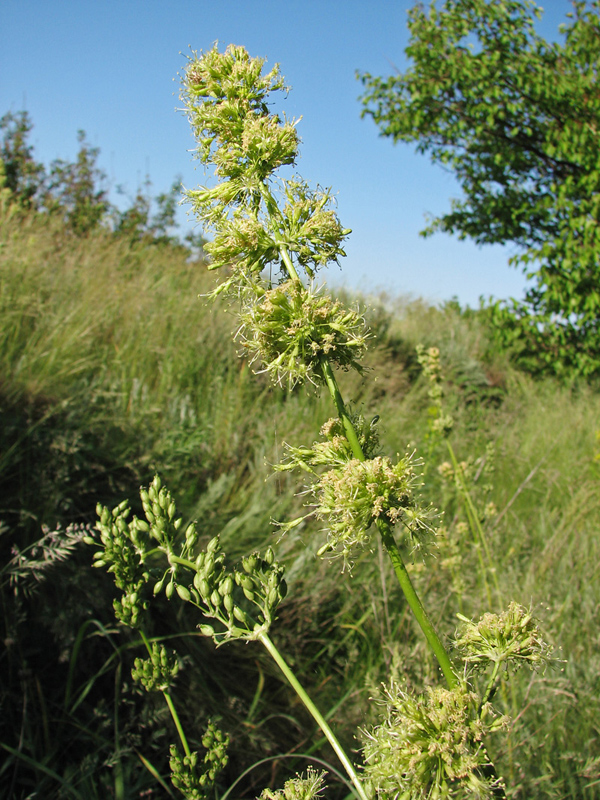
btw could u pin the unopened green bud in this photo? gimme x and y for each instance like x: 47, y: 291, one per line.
x: 184, y: 593
x: 213, y: 545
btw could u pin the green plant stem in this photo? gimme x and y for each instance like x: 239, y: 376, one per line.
x: 386, y: 535
x: 388, y: 540
x: 170, y: 704
x: 316, y: 714
x: 489, y: 689
x: 414, y: 602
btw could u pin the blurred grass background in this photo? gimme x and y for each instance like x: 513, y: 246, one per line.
x: 112, y: 368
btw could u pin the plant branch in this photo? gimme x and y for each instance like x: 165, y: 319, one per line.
x: 316, y: 714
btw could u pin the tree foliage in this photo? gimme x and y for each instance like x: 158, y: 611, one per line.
x: 516, y: 119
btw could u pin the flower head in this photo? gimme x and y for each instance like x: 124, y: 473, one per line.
x: 429, y: 747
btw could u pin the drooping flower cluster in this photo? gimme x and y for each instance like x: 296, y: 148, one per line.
x: 350, y: 494
x: 430, y: 747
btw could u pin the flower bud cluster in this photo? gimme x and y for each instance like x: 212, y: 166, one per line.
x: 292, y: 328
x: 298, y: 788
x: 431, y: 746
x: 156, y: 673
x: 512, y: 637
x: 244, y: 601
x: 194, y: 777
x: 351, y: 494
x: 440, y: 422
x: 124, y: 549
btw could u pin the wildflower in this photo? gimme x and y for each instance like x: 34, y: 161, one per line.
x: 291, y: 328
x: 298, y: 788
x: 430, y: 746
x: 512, y: 637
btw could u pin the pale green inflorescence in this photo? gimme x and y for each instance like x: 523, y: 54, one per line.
x: 430, y: 747
x: 351, y: 495
x: 298, y: 788
x: 512, y: 637
x: 260, y: 222
x: 195, y: 776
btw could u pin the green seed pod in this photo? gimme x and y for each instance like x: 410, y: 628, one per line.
x: 184, y: 593
x: 272, y: 597
x: 247, y: 583
x: 177, y: 524
x: 228, y: 603
x: 269, y: 556
x: 249, y: 595
x: 213, y: 545
x: 250, y: 563
x: 226, y: 586
x: 241, y: 616
x: 158, y: 586
x: 171, y: 510
x: 216, y: 599
x: 169, y: 590
x: 89, y: 540
x: 200, y: 558
x: 145, y: 497
x: 206, y: 630
x: 209, y: 564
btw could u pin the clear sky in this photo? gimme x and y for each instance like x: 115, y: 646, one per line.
x: 110, y: 67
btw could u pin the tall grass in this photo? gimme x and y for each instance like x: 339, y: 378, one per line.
x: 111, y: 366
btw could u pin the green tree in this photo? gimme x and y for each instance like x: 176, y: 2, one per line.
x: 75, y: 189
x: 23, y: 176
x: 516, y: 119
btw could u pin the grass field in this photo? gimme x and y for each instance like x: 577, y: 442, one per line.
x: 113, y: 368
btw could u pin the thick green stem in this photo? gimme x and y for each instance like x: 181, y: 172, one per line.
x: 316, y: 714
x: 341, y: 408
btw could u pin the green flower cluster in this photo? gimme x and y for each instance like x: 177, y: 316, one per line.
x: 292, y: 328
x: 298, y: 788
x: 350, y: 494
x: 430, y: 747
x: 124, y: 549
x: 194, y: 777
x: 156, y: 673
x: 243, y: 602
x: 439, y: 422
x: 257, y: 221
x: 512, y: 637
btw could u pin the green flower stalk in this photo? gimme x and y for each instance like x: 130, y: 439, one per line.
x: 260, y: 221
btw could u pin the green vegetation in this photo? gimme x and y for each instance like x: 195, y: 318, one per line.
x: 114, y: 370
x: 515, y: 118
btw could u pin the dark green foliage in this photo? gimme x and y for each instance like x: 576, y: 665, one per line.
x: 515, y: 118
x: 24, y: 177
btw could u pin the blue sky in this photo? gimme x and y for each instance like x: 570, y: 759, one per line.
x: 110, y: 67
